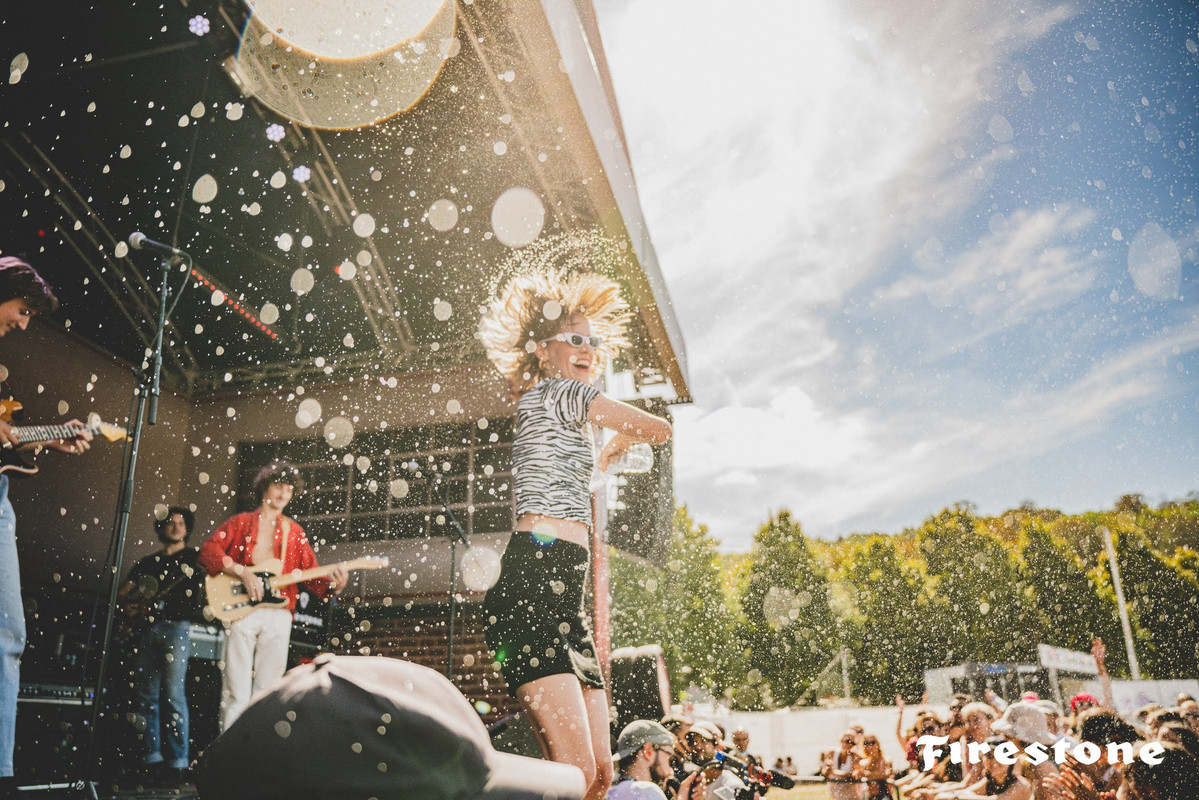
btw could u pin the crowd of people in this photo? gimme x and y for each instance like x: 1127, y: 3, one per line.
x: 1029, y: 749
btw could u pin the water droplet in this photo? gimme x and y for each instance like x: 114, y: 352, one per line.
x: 339, y: 431
x: 517, y: 217
x: 480, y: 568
x: 205, y: 189
x: 364, y: 225
x: 302, y: 281
x: 1155, y: 263
x: 443, y: 215
x: 1000, y: 129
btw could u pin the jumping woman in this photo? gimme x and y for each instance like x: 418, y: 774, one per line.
x: 550, y: 333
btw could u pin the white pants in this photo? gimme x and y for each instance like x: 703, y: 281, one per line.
x: 255, y: 657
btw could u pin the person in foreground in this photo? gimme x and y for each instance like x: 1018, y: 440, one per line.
x: 549, y: 334
x: 358, y: 727
x: 23, y: 295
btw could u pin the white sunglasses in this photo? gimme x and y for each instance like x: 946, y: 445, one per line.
x: 575, y: 339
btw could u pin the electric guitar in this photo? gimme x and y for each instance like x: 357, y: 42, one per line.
x: 14, y: 462
x: 229, y: 602
x: 147, y: 597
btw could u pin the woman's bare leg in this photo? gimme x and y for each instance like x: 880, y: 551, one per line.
x: 572, y: 728
x: 597, y: 714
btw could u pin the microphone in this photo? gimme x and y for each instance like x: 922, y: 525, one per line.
x: 139, y: 241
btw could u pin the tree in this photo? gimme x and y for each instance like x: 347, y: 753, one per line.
x: 898, y: 630
x: 790, y: 627
x: 995, y: 617
x: 1165, y: 603
x: 1074, y: 610
x: 683, y: 608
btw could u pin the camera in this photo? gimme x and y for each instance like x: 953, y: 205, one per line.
x: 756, y: 779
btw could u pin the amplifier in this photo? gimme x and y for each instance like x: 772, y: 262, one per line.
x: 207, y: 642
x: 52, y: 723
x: 65, y: 694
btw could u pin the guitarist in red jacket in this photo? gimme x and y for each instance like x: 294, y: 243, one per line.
x: 256, y: 645
x: 23, y: 294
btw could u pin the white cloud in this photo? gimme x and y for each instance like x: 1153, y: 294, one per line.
x: 792, y: 157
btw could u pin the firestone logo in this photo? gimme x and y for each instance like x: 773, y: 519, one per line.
x: 1085, y: 752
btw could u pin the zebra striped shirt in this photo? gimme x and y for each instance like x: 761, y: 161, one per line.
x: 553, y: 455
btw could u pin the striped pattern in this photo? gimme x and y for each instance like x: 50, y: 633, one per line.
x: 553, y: 455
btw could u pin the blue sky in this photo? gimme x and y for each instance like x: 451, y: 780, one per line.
x: 921, y: 252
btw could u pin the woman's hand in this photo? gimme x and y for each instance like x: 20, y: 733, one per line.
x: 614, y: 450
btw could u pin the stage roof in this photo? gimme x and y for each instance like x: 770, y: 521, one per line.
x: 123, y: 117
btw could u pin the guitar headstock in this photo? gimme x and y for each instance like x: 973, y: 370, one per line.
x: 113, y: 433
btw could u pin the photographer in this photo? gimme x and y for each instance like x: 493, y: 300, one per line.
x: 703, y: 741
x: 643, y: 752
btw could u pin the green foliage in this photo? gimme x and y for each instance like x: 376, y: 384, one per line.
x: 978, y: 577
x: 757, y: 628
x: 683, y: 608
x: 1165, y: 603
x: 899, y: 629
x: 790, y: 626
x: 1076, y: 609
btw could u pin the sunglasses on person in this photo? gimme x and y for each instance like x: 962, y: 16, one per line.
x: 669, y: 751
x: 870, y: 741
x: 575, y: 339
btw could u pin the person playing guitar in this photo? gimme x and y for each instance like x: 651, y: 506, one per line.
x: 162, y: 595
x: 256, y: 645
x: 23, y: 294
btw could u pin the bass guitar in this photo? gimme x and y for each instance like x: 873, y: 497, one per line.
x: 13, y: 462
x: 229, y: 602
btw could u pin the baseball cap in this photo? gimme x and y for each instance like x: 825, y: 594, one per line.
x: 705, y: 730
x: 1024, y: 722
x: 1083, y: 697
x: 637, y: 734
x: 367, y: 726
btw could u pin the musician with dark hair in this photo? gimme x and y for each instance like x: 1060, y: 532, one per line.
x: 162, y: 595
x: 23, y: 294
x: 243, y: 547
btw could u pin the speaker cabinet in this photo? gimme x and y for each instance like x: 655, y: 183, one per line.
x: 640, y: 687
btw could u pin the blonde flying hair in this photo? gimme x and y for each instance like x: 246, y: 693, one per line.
x: 543, y: 297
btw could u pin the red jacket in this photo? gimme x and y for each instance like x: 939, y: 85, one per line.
x: 236, y: 537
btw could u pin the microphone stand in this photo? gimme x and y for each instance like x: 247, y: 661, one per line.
x: 146, y: 392
x: 458, y: 536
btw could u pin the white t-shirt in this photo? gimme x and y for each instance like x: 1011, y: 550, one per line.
x: 635, y: 790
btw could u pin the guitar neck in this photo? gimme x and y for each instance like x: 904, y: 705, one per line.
x: 299, y: 576
x: 32, y: 434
